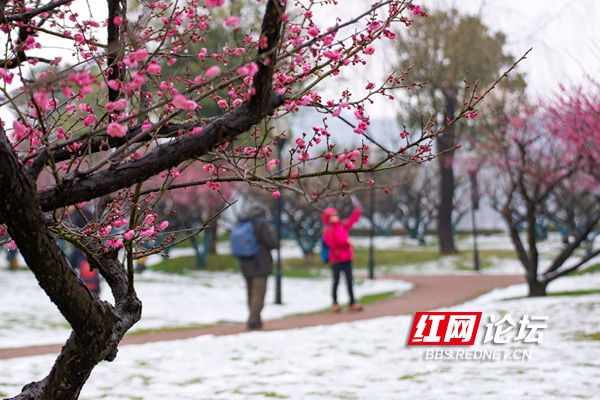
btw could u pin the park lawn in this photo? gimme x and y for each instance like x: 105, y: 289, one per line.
x: 294, y: 268
x: 180, y: 265
x: 394, y: 257
x: 487, y: 258
x: 309, y: 268
x: 590, y: 336
x: 589, y: 270
x: 364, y: 300
x: 401, y: 258
x: 313, y: 268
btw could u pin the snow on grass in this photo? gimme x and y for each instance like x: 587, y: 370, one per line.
x: 359, y: 360
x: 27, y: 317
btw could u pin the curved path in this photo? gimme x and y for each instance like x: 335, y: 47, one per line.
x: 430, y: 292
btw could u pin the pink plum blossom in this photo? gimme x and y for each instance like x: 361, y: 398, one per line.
x: 271, y: 164
x: 115, y: 129
x: 212, y: 71
x: 115, y: 243
x: 153, y: 69
x: 20, y: 130
x: 120, y: 223
x: 89, y: 120
x: 214, y: 3
x: 249, y: 69
x: 232, y: 21
x: 146, y: 232
x: 180, y: 101
x: 150, y: 219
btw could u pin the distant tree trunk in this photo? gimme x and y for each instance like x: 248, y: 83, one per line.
x: 309, y: 258
x: 536, y: 288
x: 211, y: 230
x: 445, y: 142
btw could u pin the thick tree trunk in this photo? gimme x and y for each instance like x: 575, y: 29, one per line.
x: 445, y: 142
x: 536, y: 288
x: 97, y: 326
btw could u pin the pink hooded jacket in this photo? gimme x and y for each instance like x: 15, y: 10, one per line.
x: 336, y: 235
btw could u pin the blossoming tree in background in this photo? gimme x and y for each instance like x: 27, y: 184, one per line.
x: 544, y: 165
x: 88, y: 111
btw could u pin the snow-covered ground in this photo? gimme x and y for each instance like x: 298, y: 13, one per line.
x: 360, y: 360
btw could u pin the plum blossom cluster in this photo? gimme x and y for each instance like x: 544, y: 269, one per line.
x: 161, y: 70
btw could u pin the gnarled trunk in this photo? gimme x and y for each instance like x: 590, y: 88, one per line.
x: 98, y: 326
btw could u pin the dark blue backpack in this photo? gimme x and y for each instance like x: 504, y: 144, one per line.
x: 324, y: 251
x: 244, y: 243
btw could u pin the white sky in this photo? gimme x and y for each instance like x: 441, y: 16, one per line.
x: 564, y: 34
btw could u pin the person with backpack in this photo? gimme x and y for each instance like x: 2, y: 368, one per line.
x: 251, y: 242
x: 339, y: 251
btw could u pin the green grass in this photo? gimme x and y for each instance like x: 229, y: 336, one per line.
x: 374, y: 298
x: 271, y: 394
x: 487, y: 258
x: 315, y: 268
x: 557, y: 294
x: 368, y: 299
x: 400, y: 258
x: 310, y: 272
x: 593, y: 269
x: 169, y: 329
x: 394, y: 257
x: 181, y: 265
x: 575, y: 293
x: 297, y: 268
x: 303, y: 268
x: 588, y: 336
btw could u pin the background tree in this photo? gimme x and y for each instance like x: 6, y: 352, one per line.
x: 197, y: 204
x: 302, y: 223
x: 544, y: 165
x: 136, y: 125
x: 448, y: 49
x: 418, y: 200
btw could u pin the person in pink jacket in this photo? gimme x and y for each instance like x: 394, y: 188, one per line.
x: 335, y: 236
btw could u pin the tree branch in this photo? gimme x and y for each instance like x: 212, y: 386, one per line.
x: 37, y: 11
x: 74, y: 189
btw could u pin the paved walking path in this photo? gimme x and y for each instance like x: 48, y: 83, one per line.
x: 430, y: 292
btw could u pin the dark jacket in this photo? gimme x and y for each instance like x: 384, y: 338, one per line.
x: 262, y: 264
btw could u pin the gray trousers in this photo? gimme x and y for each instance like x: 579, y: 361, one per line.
x: 257, y: 288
